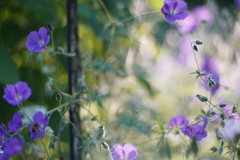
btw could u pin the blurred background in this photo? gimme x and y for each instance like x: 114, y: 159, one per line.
x: 136, y: 70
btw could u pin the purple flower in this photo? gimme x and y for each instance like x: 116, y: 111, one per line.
x: 16, y: 94
x: 196, y: 131
x: 178, y: 121
x: 126, y: 152
x: 203, y: 14
x: 37, y: 127
x: 13, y: 147
x: 228, y: 111
x: 10, y: 147
x: 3, y: 136
x: 16, y: 123
x: 209, y: 67
x: 37, y: 41
x: 174, y: 10
x: 237, y: 3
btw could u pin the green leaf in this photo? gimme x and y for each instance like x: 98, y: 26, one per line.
x: 8, y: 70
x: 164, y: 149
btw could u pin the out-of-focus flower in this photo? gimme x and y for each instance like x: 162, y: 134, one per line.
x: 200, y: 14
x: 10, y: 147
x: 231, y: 130
x: 3, y: 135
x: 37, y: 127
x: 174, y: 10
x: 126, y: 152
x: 16, y: 94
x: 237, y: 3
x: 37, y: 41
x: 196, y: 132
x: 179, y: 121
x: 209, y: 67
x: 16, y: 123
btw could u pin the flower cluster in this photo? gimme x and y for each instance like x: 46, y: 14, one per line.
x: 196, y: 131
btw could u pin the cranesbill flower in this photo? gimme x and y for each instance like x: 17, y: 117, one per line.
x: 16, y: 123
x: 179, y: 121
x: 196, y: 132
x: 237, y: 3
x: 126, y: 152
x: 231, y: 130
x: 37, y: 127
x: 229, y: 112
x: 3, y: 136
x: 37, y: 41
x: 174, y: 10
x: 16, y: 94
x: 10, y: 147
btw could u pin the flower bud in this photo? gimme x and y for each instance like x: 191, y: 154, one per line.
x: 222, y: 105
x: 59, y: 97
x: 49, y: 91
x: 50, y: 27
x: 195, y: 48
x: 202, y: 98
x: 234, y: 110
x: 198, y: 42
x: 213, y: 113
x: 105, y: 145
x: 49, y: 131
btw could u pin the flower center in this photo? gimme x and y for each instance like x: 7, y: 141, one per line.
x: 41, y: 43
x: 18, y: 98
x: 35, y: 127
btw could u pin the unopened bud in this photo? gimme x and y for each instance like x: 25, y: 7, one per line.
x: 195, y: 48
x: 234, y: 110
x: 213, y: 113
x: 105, y: 145
x: 222, y: 116
x: 50, y: 27
x: 198, y: 42
x: 49, y: 91
x: 59, y: 97
x: 202, y: 98
x: 222, y: 105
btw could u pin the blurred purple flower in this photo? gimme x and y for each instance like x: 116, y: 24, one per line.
x: 126, y: 152
x: 237, y: 3
x: 16, y: 94
x: 37, y: 127
x: 209, y: 67
x: 196, y: 131
x: 3, y: 136
x: 16, y: 123
x: 174, y: 10
x: 10, y: 147
x: 14, y: 146
x: 198, y: 15
x: 37, y: 41
x: 178, y: 121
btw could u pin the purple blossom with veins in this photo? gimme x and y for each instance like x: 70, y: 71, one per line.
x: 16, y: 123
x: 179, y: 121
x: 126, y: 152
x: 196, y: 131
x: 10, y: 147
x: 16, y: 94
x: 174, y: 10
x: 37, y: 41
x: 38, y: 125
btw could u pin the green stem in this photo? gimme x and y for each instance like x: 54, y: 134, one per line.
x: 143, y: 15
x: 106, y: 11
x: 52, y: 40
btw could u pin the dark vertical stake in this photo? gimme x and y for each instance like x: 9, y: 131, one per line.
x: 74, y: 73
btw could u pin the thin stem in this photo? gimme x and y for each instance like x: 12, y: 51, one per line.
x: 45, y: 148
x: 52, y: 40
x: 143, y: 15
x: 106, y: 11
